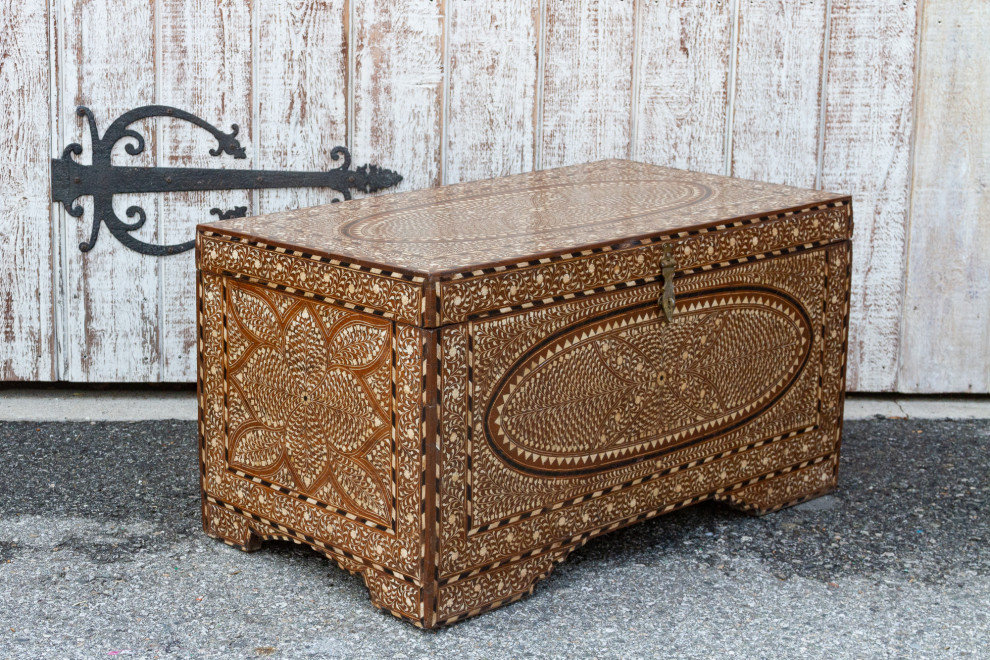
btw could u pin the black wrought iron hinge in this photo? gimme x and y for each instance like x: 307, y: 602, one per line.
x: 102, y: 179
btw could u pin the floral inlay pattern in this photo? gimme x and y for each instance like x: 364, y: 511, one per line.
x: 309, y: 406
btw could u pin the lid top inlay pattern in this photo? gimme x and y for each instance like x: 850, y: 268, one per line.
x: 465, y: 226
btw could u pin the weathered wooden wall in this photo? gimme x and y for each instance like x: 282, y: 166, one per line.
x: 888, y: 101
x: 27, y: 323
x: 945, y: 318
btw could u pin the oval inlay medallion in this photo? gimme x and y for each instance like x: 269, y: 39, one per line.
x: 629, y: 385
x: 528, y: 212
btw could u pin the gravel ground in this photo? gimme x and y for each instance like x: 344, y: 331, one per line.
x: 102, y: 555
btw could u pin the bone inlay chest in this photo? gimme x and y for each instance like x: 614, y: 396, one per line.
x: 447, y: 391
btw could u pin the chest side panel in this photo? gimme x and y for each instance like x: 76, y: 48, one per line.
x: 562, y: 422
x: 311, y: 427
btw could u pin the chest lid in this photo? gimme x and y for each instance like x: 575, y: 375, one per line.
x: 443, y: 255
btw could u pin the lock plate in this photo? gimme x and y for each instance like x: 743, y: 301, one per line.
x: 667, y: 267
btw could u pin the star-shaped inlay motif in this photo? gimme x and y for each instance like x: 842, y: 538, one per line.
x: 302, y: 371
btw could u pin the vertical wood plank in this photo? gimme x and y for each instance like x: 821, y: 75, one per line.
x: 301, y: 85
x: 684, y: 51
x: 587, y: 81
x: 775, y: 127
x: 205, y: 69
x: 398, y: 89
x: 867, y: 152
x: 945, y: 328
x: 111, y: 305
x: 491, y: 124
x: 26, y: 300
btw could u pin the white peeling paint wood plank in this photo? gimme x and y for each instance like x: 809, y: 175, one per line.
x: 587, y: 81
x: 491, y: 97
x: 110, y: 303
x: 683, y: 83
x: 26, y: 306
x: 775, y: 127
x: 398, y: 89
x: 945, y: 329
x: 205, y: 68
x: 301, y: 89
x: 867, y: 152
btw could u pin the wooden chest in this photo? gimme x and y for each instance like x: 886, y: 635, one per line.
x: 448, y: 391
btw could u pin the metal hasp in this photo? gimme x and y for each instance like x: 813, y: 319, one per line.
x: 667, y: 267
x: 102, y: 179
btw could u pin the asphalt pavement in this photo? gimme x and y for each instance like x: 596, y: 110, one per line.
x: 102, y: 556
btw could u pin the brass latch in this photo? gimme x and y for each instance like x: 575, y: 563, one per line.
x: 667, y: 267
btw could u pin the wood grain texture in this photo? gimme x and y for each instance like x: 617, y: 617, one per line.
x: 301, y: 87
x: 398, y: 89
x: 775, y: 127
x: 110, y: 303
x: 867, y: 152
x: 587, y: 81
x: 684, y: 53
x: 26, y: 309
x: 945, y: 336
x: 205, y: 69
x: 493, y: 54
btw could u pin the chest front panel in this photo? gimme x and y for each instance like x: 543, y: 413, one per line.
x: 562, y: 421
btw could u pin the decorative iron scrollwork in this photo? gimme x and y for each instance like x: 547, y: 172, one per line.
x: 102, y: 179
x: 236, y: 212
